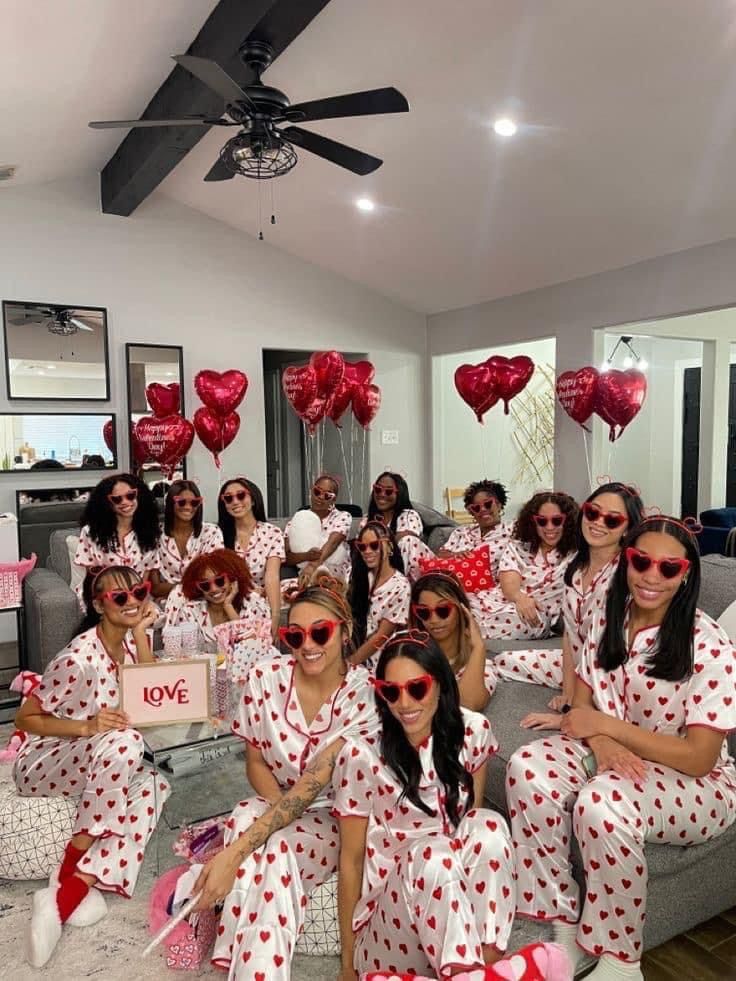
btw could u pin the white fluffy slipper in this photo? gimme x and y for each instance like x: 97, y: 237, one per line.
x: 44, y: 932
x: 90, y: 911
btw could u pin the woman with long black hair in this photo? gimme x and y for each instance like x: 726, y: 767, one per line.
x: 528, y: 598
x: 642, y: 756
x: 391, y: 504
x: 426, y: 879
x: 440, y: 605
x: 379, y: 594
x: 241, y: 516
x: 604, y: 519
x: 185, y: 535
x: 120, y: 526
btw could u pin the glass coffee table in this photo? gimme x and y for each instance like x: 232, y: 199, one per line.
x: 205, y: 767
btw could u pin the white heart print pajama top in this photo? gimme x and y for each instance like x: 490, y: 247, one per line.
x: 128, y: 552
x: 469, y: 537
x: 265, y: 542
x: 580, y: 607
x: 172, y: 564
x: 432, y: 893
x: 263, y: 914
x: 550, y: 796
x: 542, y: 578
x: 411, y: 547
x: 335, y: 522
x: 118, y: 802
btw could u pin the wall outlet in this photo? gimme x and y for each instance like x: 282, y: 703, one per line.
x: 390, y: 437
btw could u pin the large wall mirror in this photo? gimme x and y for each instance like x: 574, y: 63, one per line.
x: 160, y: 366
x: 55, y: 352
x: 45, y: 441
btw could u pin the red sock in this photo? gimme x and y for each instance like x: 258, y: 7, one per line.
x: 69, y: 895
x: 69, y: 861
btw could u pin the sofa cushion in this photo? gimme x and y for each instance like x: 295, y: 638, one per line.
x: 718, y: 518
x: 432, y: 518
x: 718, y: 584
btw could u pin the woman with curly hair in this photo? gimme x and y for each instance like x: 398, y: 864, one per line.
x: 379, y: 591
x: 217, y: 594
x: 120, y: 526
x: 528, y: 598
x: 440, y: 606
x: 426, y: 883
x: 485, y: 501
x: 242, y: 520
x: 391, y: 504
x: 185, y: 535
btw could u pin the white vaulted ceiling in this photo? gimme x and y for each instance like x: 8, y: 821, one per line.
x: 626, y: 148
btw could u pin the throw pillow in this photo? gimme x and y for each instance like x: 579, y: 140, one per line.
x: 473, y: 571
x: 78, y: 572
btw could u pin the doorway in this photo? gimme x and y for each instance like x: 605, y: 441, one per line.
x: 691, y: 440
x: 344, y: 452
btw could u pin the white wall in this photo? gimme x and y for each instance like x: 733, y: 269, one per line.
x: 464, y: 450
x: 684, y: 282
x: 174, y: 276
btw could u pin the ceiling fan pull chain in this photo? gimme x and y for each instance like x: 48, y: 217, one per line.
x: 273, y: 206
x: 260, y: 216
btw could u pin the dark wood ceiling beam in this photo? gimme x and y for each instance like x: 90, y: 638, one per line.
x: 146, y: 156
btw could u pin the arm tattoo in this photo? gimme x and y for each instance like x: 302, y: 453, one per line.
x: 295, y: 801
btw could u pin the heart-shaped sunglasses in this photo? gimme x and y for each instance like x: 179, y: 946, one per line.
x: 416, y: 688
x: 423, y: 612
x: 214, y: 582
x: 320, y: 633
x: 121, y: 597
x: 668, y: 568
x: 380, y: 491
x: 488, y: 505
x: 131, y: 495
x: 187, y: 502
x: 231, y: 496
x: 364, y: 547
x: 556, y: 520
x: 611, y: 519
x: 323, y: 495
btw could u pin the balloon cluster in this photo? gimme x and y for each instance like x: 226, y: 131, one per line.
x: 328, y: 386
x: 216, y: 422
x: 615, y: 396
x: 164, y: 437
x: 482, y: 385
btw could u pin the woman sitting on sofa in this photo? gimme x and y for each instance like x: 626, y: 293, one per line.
x: 528, y: 599
x: 485, y: 501
x: 329, y: 552
x: 642, y: 756
x: 391, y: 504
x: 82, y: 745
x: 184, y: 537
x: 440, y: 606
x: 120, y: 527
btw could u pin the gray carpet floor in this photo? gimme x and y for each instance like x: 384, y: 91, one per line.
x: 110, y: 951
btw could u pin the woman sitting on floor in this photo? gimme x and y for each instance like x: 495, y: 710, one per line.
x: 82, y: 745
x: 185, y: 535
x: 426, y: 880
x: 528, y: 599
x: 380, y: 593
x: 440, y: 606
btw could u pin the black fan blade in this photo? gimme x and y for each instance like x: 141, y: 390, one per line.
x: 219, y: 172
x: 337, y: 153
x: 214, y: 77
x: 184, y: 121
x: 370, y: 103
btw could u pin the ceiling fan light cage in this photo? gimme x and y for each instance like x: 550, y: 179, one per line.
x: 62, y: 328
x: 261, y: 157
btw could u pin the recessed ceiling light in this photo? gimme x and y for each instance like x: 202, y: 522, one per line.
x: 505, y: 126
x: 364, y: 204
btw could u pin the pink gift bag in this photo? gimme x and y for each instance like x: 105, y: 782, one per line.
x: 188, y: 944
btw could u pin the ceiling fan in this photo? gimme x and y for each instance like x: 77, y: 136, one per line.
x: 260, y: 149
x: 57, y: 320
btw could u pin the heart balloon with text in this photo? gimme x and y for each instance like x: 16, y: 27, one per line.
x: 366, y: 403
x: 165, y: 441
x: 576, y: 391
x: 299, y: 384
x: 329, y: 369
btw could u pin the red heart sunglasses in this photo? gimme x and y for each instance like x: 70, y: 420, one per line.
x: 556, y: 520
x: 611, y: 519
x: 423, y: 612
x: 216, y: 582
x: 488, y: 505
x: 668, y: 568
x: 186, y: 502
x: 131, y: 495
x: 323, y: 495
x: 416, y: 688
x: 231, y: 496
x: 320, y: 632
x: 380, y: 491
x: 121, y: 597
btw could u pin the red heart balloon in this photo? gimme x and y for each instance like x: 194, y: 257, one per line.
x: 108, y: 434
x: 476, y: 386
x: 139, y: 454
x: 163, y: 399
x: 314, y: 414
x: 300, y: 386
x: 619, y: 396
x: 165, y: 441
x: 216, y: 434
x: 359, y: 372
x: 576, y: 391
x: 329, y: 367
x: 510, y: 375
x: 340, y: 400
x: 366, y: 403
x: 221, y: 392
